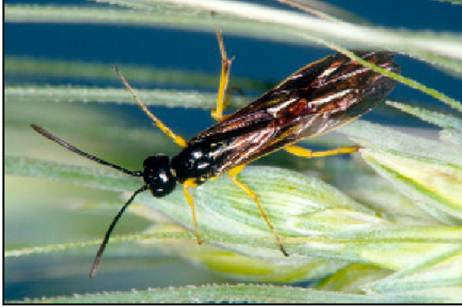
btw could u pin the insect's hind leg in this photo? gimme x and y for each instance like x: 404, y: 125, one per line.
x: 187, y: 185
x: 222, y: 95
x: 180, y: 141
x: 233, y: 173
x: 306, y: 153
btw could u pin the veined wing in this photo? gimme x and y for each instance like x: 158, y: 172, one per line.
x: 314, y: 100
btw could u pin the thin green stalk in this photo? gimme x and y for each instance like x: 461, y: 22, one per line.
x: 52, y: 248
x: 162, y: 97
x: 453, y: 103
x: 238, y: 293
x: 39, y: 68
x: 253, y: 21
x: 441, y: 120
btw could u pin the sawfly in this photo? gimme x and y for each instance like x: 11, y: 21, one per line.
x: 316, y: 99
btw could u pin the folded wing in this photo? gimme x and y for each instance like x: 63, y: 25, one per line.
x: 314, y: 100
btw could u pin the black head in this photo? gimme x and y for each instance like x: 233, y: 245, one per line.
x: 158, y: 175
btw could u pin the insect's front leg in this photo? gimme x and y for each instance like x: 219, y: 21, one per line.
x: 233, y: 173
x: 180, y: 141
x: 187, y: 185
x: 306, y: 153
x: 222, y: 95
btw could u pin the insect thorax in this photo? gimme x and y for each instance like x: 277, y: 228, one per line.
x: 196, y: 161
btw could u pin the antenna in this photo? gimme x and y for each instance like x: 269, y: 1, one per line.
x: 74, y: 149
x: 103, y: 244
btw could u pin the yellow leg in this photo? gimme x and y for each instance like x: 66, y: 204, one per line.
x: 189, y: 198
x: 233, y: 173
x: 222, y: 98
x: 166, y: 130
x: 306, y: 153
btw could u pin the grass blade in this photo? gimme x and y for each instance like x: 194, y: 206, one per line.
x: 253, y: 21
x: 53, y: 248
x: 237, y: 293
x: 315, y: 219
x: 441, y: 120
x: 434, y: 186
x: 431, y: 273
x: 40, y: 68
x: 66, y: 94
x: 427, y: 171
x: 290, y: 23
x: 388, y: 139
x: 352, y: 278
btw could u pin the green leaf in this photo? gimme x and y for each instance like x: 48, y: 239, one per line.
x: 379, y: 195
x: 446, y: 121
x: 457, y: 2
x: 253, y: 21
x: 39, y: 68
x: 52, y: 248
x: 323, y: 10
x: 374, y: 136
x: 453, y: 103
x: 237, y: 266
x: 451, y: 136
x: 261, y: 14
x: 239, y: 293
x: 352, y: 278
x: 315, y: 219
x: 60, y: 94
x: 433, y: 272
x: 256, y: 17
x: 434, y: 185
x: 427, y: 171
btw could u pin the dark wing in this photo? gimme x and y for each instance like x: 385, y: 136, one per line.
x: 316, y: 99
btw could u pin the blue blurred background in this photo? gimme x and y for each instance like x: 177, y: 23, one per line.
x: 257, y: 59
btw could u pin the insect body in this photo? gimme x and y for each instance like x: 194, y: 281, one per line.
x: 314, y: 100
